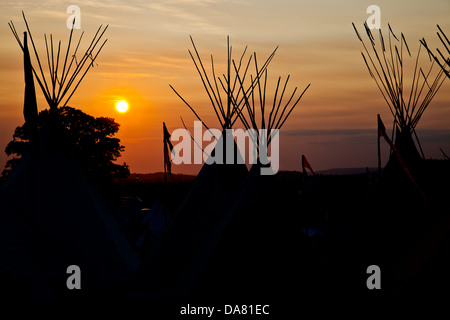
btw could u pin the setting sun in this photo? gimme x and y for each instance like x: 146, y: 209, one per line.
x: 122, y: 106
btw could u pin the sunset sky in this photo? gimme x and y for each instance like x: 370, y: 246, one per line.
x: 147, y: 49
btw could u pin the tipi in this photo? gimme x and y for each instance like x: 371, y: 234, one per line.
x: 172, y: 270
x: 386, y: 62
x: 253, y: 243
x: 62, y: 216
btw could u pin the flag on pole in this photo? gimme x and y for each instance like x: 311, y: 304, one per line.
x: 307, y: 186
x: 381, y: 133
x: 167, y: 145
x: 381, y: 128
x: 30, y: 111
x: 306, y: 165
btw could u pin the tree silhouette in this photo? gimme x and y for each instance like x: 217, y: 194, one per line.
x: 88, y: 139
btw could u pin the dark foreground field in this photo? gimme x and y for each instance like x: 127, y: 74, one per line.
x: 313, y: 238
x: 284, y: 240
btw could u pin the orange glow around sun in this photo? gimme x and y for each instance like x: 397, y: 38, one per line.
x: 122, y: 106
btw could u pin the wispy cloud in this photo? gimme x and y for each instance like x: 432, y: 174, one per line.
x: 195, y: 16
x: 138, y: 140
x: 434, y: 135
x: 328, y: 132
x: 361, y: 137
x: 126, y: 75
x: 424, y: 134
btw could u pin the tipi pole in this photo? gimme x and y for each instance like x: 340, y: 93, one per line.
x: 303, y: 164
x: 445, y: 156
x: 379, y: 155
x: 164, y: 153
x: 379, y: 134
x: 418, y: 143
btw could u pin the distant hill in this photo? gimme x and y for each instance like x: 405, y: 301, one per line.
x: 158, y: 177
x: 344, y: 171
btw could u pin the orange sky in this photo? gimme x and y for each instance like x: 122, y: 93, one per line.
x: 147, y: 50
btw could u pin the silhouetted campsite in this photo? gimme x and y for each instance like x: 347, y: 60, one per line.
x: 229, y: 234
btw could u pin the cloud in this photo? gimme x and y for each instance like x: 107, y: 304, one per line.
x: 362, y: 136
x: 434, y: 135
x: 126, y: 75
x: 189, y: 15
x: 328, y: 132
x: 139, y: 140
